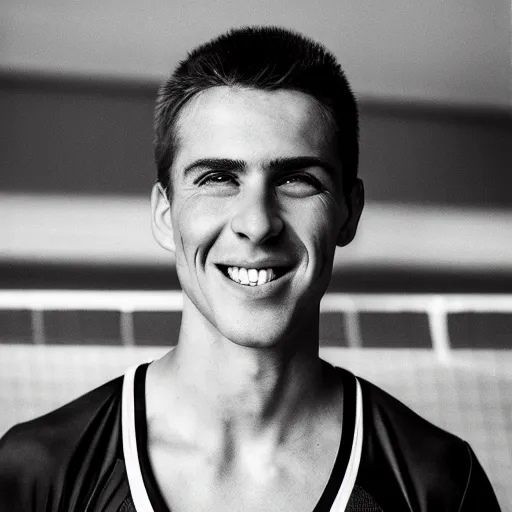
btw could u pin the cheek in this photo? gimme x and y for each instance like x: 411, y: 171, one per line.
x: 197, y: 223
x: 318, y: 225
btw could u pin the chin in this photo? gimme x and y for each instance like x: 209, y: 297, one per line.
x: 257, y: 331
x: 253, y: 338
x: 255, y: 343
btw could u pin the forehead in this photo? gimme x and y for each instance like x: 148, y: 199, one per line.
x: 253, y: 125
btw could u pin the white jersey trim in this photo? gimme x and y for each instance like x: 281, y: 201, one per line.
x: 349, y: 480
x: 131, y: 457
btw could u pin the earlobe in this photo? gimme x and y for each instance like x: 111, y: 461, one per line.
x: 161, y: 222
x: 355, y: 204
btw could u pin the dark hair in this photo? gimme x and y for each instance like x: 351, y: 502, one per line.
x: 266, y: 58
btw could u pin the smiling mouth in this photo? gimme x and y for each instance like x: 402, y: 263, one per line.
x: 252, y: 276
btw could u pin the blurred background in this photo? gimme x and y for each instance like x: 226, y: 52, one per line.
x: 434, y: 82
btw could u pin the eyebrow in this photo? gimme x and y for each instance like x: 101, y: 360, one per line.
x: 300, y: 162
x: 216, y: 164
x: 275, y: 165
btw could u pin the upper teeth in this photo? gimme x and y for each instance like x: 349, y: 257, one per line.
x: 251, y: 276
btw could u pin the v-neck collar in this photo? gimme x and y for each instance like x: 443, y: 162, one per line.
x: 144, y: 488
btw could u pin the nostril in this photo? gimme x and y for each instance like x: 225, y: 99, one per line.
x: 257, y: 227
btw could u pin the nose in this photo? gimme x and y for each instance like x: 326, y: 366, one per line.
x: 257, y: 217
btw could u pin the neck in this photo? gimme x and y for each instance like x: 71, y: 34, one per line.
x: 218, y: 384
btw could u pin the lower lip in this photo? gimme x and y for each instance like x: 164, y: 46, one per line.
x: 261, y: 290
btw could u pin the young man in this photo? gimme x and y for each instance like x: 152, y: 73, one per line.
x: 257, y: 150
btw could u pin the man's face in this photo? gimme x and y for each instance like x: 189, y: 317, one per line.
x: 256, y: 211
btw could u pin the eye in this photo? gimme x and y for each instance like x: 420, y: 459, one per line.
x: 300, y: 185
x: 217, y: 179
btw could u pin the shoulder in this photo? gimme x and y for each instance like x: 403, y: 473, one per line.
x: 388, y: 419
x: 42, y: 456
x: 407, y: 458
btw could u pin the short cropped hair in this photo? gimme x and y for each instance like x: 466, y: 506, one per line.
x: 268, y: 59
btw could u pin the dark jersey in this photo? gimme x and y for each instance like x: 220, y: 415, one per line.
x: 91, y: 456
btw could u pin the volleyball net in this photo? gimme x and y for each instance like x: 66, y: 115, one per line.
x: 44, y: 363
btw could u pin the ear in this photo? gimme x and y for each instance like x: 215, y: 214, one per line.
x: 355, y: 203
x: 161, y: 223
